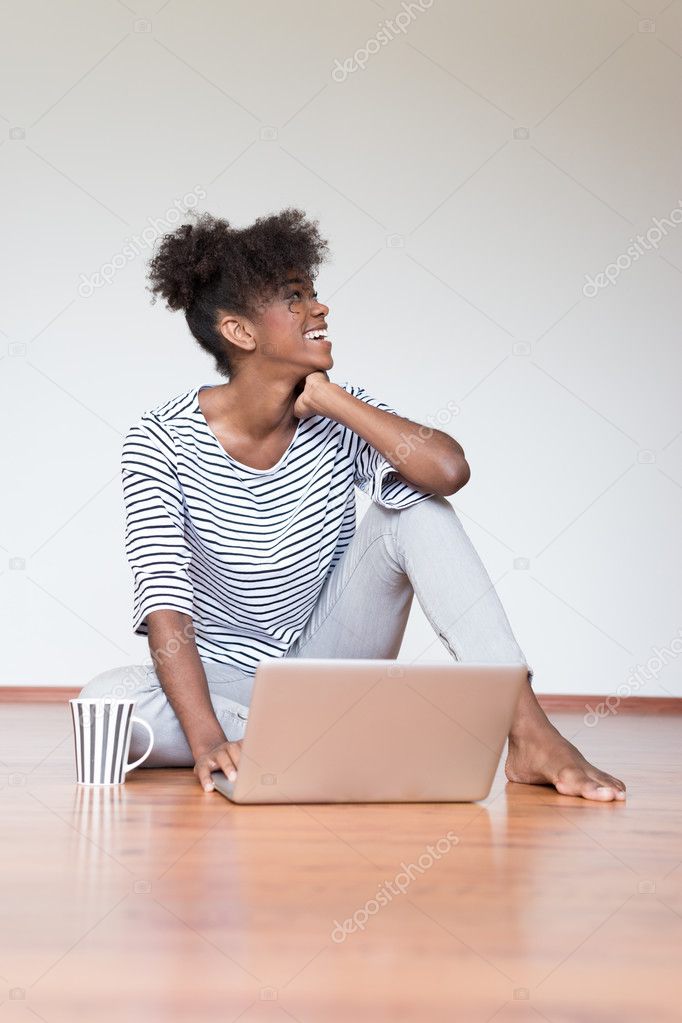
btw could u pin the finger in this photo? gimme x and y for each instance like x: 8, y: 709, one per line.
x: 203, y: 773
x: 235, y: 751
x: 226, y: 764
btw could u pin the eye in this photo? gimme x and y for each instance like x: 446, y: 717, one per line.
x: 298, y: 296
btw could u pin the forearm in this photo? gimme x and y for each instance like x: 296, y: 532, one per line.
x: 183, y: 679
x: 425, y: 457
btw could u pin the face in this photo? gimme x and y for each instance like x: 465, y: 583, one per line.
x: 292, y: 328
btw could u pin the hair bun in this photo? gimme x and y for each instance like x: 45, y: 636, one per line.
x: 187, y: 259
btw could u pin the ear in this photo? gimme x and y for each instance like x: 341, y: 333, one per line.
x: 238, y: 332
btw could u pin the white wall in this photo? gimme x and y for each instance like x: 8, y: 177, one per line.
x: 485, y: 160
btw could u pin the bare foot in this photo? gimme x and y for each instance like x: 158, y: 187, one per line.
x: 542, y: 756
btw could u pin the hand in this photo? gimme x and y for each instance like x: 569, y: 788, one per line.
x: 308, y: 388
x: 223, y: 757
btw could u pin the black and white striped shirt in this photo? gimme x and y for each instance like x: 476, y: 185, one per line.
x: 243, y: 551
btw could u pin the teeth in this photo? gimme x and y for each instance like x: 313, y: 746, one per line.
x: 312, y: 335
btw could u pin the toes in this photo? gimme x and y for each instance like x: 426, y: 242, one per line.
x: 617, y: 783
x: 599, y: 789
x: 574, y: 782
x: 606, y: 786
x: 588, y: 789
x: 608, y: 780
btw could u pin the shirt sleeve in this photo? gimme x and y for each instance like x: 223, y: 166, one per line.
x: 374, y: 474
x: 155, y: 541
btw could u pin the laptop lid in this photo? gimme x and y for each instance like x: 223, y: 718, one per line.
x: 330, y: 730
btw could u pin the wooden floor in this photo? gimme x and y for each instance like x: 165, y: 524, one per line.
x: 155, y: 901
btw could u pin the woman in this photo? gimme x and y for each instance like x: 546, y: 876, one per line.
x: 240, y: 515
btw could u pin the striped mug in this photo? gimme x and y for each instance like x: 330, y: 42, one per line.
x: 102, y: 729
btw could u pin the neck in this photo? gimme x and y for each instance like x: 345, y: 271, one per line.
x: 255, y: 407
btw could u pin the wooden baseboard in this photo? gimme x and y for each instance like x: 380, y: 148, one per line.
x: 38, y: 694
x: 604, y: 706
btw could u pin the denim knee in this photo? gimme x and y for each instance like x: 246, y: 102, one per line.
x: 435, y: 504
x: 120, y: 683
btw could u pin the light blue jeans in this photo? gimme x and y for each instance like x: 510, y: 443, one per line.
x: 361, y: 612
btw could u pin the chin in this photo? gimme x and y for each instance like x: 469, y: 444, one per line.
x: 323, y: 361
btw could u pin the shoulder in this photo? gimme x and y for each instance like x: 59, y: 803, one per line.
x: 162, y: 417
x: 174, y: 409
x: 153, y: 432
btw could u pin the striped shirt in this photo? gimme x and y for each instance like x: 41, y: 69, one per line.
x: 243, y: 551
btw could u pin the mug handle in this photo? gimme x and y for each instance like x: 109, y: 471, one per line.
x: 140, y: 721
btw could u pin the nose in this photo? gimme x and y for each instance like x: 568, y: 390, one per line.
x: 321, y: 309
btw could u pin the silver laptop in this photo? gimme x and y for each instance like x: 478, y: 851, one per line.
x: 373, y: 731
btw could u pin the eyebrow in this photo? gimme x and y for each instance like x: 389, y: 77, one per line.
x: 293, y: 280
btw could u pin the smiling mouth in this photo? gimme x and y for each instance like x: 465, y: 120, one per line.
x: 317, y: 337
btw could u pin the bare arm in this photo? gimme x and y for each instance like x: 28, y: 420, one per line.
x: 179, y: 669
x: 429, y: 459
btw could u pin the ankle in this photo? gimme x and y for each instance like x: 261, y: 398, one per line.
x: 531, y: 728
x: 530, y: 721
